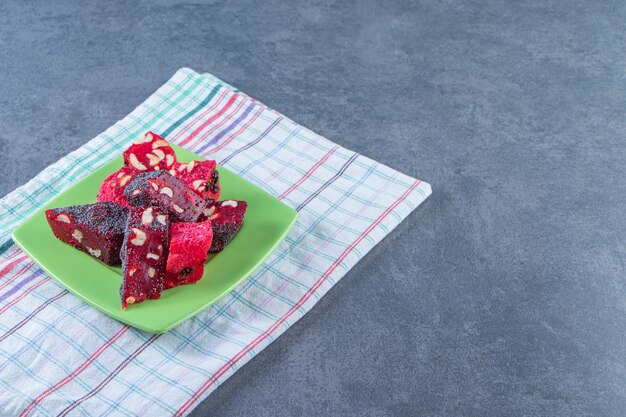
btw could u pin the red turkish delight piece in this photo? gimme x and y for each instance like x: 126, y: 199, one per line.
x: 150, y: 152
x: 201, y: 176
x: 161, y: 189
x: 96, y: 229
x: 112, y: 188
x: 144, y: 254
x: 189, y: 244
x: 226, y: 219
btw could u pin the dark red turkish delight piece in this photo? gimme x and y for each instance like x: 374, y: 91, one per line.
x: 150, y: 152
x: 161, y: 189
x: 201, y: 176
x: 189, y: 244
x: 144, y: 254
x: 226, y: 219
x: 112, y: 188
x: 96, y: 229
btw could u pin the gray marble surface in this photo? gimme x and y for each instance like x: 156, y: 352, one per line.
x: 504, y: 294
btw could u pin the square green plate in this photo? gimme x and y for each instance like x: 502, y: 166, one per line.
x: 266, y: 223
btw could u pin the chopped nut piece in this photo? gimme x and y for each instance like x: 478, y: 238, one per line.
x: 154, y: 160
x: 140, y: 237
x: 146, y: 217
x: 167, y: 191
x: 159, y: 153
x: 135, y: 162
x: 124, y: 180
x: 78, y: 235
x: 197, y: 184
x: 159, y: 143
x: 63, y: 218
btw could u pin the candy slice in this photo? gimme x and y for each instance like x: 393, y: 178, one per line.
x: 96, y: 229
x: 189, y: 244
x: 161, y: 189
x: 144, y: 254
x: 112, y: 188
x: 226, y: 219
x: 201, y: 176
x: 150, y: 152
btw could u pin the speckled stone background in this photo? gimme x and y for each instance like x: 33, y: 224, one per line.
x: 504, y: 294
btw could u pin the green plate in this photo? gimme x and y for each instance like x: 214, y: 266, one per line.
x: 266, y: 223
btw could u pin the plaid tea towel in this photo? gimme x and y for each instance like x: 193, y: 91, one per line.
x: 62, y: 357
